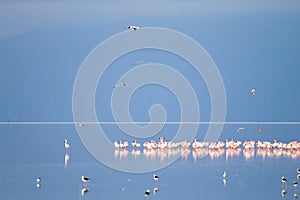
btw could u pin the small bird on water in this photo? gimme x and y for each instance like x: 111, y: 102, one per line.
x: 67, y: 146
x: 224, y: 174
x: 38, y: 182
x: 155, y: 177
x: 147, y: 193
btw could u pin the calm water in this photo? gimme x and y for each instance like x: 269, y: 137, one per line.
x: 32, y: 151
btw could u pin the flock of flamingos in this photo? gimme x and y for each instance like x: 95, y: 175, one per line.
x: 213, y: 149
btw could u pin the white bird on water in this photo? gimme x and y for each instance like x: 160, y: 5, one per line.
x: 67, y: 146
x: 120, y: 84
x: 147, y: 193
x: 38, y: 182
x: 224, y: 175
x: 155, y: 177
x: 253, y: 91
x: 239, y: 129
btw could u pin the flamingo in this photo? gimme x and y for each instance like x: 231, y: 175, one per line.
x: 135, y: 144
x: 117, y: 145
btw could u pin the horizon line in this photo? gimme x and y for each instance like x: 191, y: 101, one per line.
x: 149, y: 122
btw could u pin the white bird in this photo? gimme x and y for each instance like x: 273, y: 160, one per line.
x: 147, y: 193
x: 85, y: 180
x: 67, y: 146
x: 253, y: 91
x: 155, y: 178
x: 120, y: 84
x: 283, y: 179
x: 116, y: 144
x: 239, y: 129
x: 298, y: 170
x: 134, y: 27
x: 224, y: 175
x: 38, y: 182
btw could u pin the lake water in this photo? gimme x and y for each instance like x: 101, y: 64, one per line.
x: 32, y: 151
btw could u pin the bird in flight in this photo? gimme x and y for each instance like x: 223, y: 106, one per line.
x: 134, y: 27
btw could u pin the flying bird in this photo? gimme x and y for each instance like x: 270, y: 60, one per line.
x: 134, y: 27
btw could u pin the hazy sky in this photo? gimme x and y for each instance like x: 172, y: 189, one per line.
x: 253, y: 43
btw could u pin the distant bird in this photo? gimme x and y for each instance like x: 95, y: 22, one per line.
x: 67, y: 146
x: 116, y: 144
x: 283, y: 180
x: 295, y: 183
x: 134, y: 27
x: 224, y: 175
x: 120, y: 84
x: 85, y: 180
x: 155, y: 177
x: 239, y: 129
x: 283, y: 192
x: 140, y: 62
x: 38, y: 182
x: 84, y: 190
x: 147, y: 193
x: 253, y: 91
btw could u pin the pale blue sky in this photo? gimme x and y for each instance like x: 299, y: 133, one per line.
x: 254, y: 44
